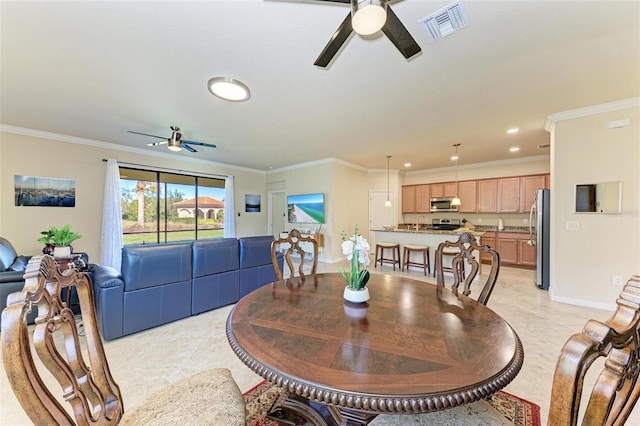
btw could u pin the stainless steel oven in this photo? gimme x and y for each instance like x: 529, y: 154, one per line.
x: 444, y: 204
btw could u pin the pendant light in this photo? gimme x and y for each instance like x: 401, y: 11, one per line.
x: 388, y: 202
x: 456, y: 200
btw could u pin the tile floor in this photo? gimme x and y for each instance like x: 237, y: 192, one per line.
x: 144, y: 362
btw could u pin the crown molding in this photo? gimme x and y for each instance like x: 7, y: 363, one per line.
x: 107, y: 145
x: 481, y: 165
x: 590, y: 110
x: 330, y: 160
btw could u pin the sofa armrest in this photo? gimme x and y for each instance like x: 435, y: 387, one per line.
x: 108, y: 292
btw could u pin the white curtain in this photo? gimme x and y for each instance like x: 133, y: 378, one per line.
x: 111, y: 235
x: 229, y: 207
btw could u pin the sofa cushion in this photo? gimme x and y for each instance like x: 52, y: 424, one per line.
x: 255, y: 251
x: 154, y: 265
x: 7, y: 254
x: 214, y: 256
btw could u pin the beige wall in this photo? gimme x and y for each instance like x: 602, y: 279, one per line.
x: 49, y: 156
x: 584, y: 261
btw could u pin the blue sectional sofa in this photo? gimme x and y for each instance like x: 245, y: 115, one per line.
x: 163, y: 283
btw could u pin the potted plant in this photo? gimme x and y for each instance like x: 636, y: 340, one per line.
x: 356, y: 248
x: 60, y: 239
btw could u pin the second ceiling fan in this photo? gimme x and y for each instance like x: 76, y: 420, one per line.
x: 175, y: 141
x: 365, y: 18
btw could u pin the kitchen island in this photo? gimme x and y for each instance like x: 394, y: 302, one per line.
x: 425, y: 237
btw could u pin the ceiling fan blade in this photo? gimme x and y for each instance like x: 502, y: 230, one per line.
x: 157, y: 143
x: 146, y: 134
x: 210, y: 145
x: 337, y: 1
x: 337, y: 40
x: 188, y: 147
x: 399, y: 35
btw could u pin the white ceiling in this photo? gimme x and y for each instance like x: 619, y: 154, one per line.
x: 95, y: 69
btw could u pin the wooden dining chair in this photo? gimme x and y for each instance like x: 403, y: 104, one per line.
x: 617, y: 387
x: 67, y: 380
x: 293, y: 243
x: 466, y: 245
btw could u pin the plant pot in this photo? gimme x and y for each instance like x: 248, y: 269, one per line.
x: 62, y: 251
x: 356, y: 296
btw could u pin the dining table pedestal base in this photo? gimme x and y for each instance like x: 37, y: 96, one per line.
x: 291, y: 409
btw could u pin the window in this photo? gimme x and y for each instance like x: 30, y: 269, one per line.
x: 160, y: 207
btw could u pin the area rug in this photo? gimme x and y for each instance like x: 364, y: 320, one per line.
x: 502, y: 409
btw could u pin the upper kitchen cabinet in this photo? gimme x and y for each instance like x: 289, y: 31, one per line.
x: 488, y: 196
x: 468, y: 193
x: 528, y: 187
x: 445, y: 189
x: 423, y: 196
x: 409, y: 199
x: 509, y: 195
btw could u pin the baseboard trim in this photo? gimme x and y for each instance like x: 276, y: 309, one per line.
x: 584, y: 303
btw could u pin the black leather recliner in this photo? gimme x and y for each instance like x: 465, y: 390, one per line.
x: 12, y: 269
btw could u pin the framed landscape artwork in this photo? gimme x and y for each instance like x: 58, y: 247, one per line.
x: 252, y: 203
x: 44, y: 191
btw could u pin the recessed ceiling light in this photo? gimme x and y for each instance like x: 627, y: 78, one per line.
x: 407, y: 164
x: 514, y: 149
x: 229, y: 89
x: 513, y: 130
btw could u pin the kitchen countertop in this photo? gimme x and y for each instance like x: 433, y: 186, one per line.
x: 432, y: 231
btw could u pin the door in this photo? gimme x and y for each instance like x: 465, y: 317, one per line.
x: 379, y: 214
x: 277, y: 212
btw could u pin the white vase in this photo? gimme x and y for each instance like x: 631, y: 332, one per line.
x: 356, y: 296
x: 62, y: 251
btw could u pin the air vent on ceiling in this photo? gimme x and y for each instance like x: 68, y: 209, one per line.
x: 544, y: 146
x: 445, y: 21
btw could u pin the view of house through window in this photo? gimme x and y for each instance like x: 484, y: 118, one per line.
x: 159, y: 207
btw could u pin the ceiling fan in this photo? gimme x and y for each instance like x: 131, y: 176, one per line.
x: 362, y: 19
x: 175, y: 141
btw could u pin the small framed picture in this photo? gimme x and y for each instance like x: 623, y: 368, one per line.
x: 252, y: 203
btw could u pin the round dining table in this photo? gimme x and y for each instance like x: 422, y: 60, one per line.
x: 414, y: 347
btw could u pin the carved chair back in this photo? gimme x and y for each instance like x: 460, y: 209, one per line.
x: 74, y: 358
x: 617, y: 387
x: 291, y: 245
x: 466, y: 245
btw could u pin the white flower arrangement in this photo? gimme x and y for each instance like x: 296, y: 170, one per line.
x: 356, y: 248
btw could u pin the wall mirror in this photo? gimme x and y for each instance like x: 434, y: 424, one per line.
x: 603, y: 197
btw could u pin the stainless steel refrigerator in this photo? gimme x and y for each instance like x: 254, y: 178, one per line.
x: 539, y: 224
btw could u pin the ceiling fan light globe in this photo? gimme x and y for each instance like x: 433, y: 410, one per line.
x: 174, y: 147
x: 368, y: 16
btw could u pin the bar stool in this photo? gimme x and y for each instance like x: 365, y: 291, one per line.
x: 452, y: 253
x: 406, y: 255
x: 395, y: 251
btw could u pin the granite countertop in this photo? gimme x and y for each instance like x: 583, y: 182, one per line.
x: 517, y: 229
x: 426, y: 230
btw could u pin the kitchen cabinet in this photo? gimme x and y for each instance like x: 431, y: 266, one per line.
x: 409, y: 199
x: 547, y: 181
x: 487, y: 239
x: 514, y: 249
x: 528, y: 187
x: 468, y: 193
x: 509, y: 195
x: 444, y: 189
x: 487, y: 196
x: 527, y: 252
x: 423, y: 196
x: 507, y: 246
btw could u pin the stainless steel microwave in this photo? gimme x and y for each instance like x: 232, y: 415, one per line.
x: 443, y: 205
